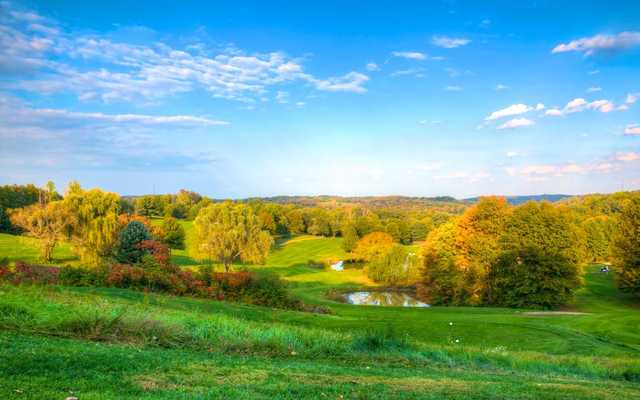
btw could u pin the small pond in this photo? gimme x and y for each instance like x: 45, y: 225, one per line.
x: 388, y: 299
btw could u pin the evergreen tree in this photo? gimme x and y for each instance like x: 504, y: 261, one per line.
x: 128, y: 250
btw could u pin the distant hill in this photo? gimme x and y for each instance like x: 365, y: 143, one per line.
x: 515, y: 200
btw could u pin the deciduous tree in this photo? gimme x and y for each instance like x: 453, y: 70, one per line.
x: 47, y: 222
x: 230, y: 232
x: 626, y: 248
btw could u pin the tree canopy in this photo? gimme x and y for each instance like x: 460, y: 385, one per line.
x: 230, y: 232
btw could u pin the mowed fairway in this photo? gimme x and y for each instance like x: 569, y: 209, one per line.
x: 113, y: 343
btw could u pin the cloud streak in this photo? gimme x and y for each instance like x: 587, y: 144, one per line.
x: 600, y: 43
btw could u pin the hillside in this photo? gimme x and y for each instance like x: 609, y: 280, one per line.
x: 59, y: 341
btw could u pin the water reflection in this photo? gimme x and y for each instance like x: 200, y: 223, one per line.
x: 388, y: 299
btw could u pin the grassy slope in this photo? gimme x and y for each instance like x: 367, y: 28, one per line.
x: 551, y: 357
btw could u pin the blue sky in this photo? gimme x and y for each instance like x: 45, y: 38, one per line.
x: 349, y: 98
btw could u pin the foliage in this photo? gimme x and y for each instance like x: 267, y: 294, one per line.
x: 95, y: 222
x: 545, y: 226
x: 372, y: 245
x: 128, y: 249
x: 349, y: 237
x: 442, y: 279
x: 47, y: 222
x: 14, y: 197
x: 626, y: 248
x: 395, y: 266
x: 532, y: 277
x: 459, y: 255
x: 230, y: 232
x: 598, y: 232
x: 173, y: 233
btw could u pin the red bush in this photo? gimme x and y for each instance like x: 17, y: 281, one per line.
x: 27, y: 273
x: 125, y: 276
x: 160, y: 252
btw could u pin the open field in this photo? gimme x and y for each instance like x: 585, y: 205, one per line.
x: 112, y: 343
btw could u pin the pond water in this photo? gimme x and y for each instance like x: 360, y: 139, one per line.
x: 388, y: 299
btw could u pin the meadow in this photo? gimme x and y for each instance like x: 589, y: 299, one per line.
x: 105, y: 343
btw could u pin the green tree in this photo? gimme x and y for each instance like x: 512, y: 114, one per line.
x: 547, y: 227
x: 442, y: 279
x: 532, y: 277
x: 173, y: 233
x: 47, y: 222
x: 128, y: 249
x: 230, y: 232
x: 95, y: 222
x: 626, y: 248
x: 349, y: 237
x: 395, y: 266
x: 598, y: 235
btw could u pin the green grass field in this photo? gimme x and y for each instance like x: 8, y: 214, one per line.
x: 111, y: 343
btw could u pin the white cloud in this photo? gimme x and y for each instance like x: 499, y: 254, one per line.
x: 622, y: 107
x: 512, y: 154
x: 628, y: 157
x: 500, y: 86
x: 594, y: 72
x: 453, y: 88
x: 516, y: 123
x: 417, y: 72
x: 282, y: 97
x: 449, y: 42
x: 594, y: 89
x: 539, y: 107
x: 632, y: 130
x: 351, y: 82
x: 372, y: 67
x: 515, y: 109
x: 130, y: 72
x: 580, y: 104
x: 600, y: 43
x: 412, y: 55
x: 553, y: 112
x: 631, y: 98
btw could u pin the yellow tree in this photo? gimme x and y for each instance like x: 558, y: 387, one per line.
x: 477, y: 242
x: 95, y: 225
x: 47, y: 222
x: 230, y: 232
x: 372, y: 245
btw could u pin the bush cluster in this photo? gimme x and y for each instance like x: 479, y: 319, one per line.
x: 154, y: 273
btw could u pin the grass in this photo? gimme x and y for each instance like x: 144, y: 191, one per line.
x: 109, y: 343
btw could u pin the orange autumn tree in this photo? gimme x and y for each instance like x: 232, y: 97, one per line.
x: 372, y: 245
x: 458, y: 254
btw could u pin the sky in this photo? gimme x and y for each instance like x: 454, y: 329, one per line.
x: 240, y: 99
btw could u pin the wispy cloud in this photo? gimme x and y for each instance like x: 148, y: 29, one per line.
x: 600, y: 43
x: 453, y: 88
x: 449, y: 42
x: 411, y: 55
x: 516, y: 123
x: 131, y: 71
x: 372, y: 67
x: 632, y: 130
x: 515, y: 109
x: 500, y: 87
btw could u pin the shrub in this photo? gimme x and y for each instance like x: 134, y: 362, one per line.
x: 78, y: 276
x: 28, y: 273
x: 379, y: 340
